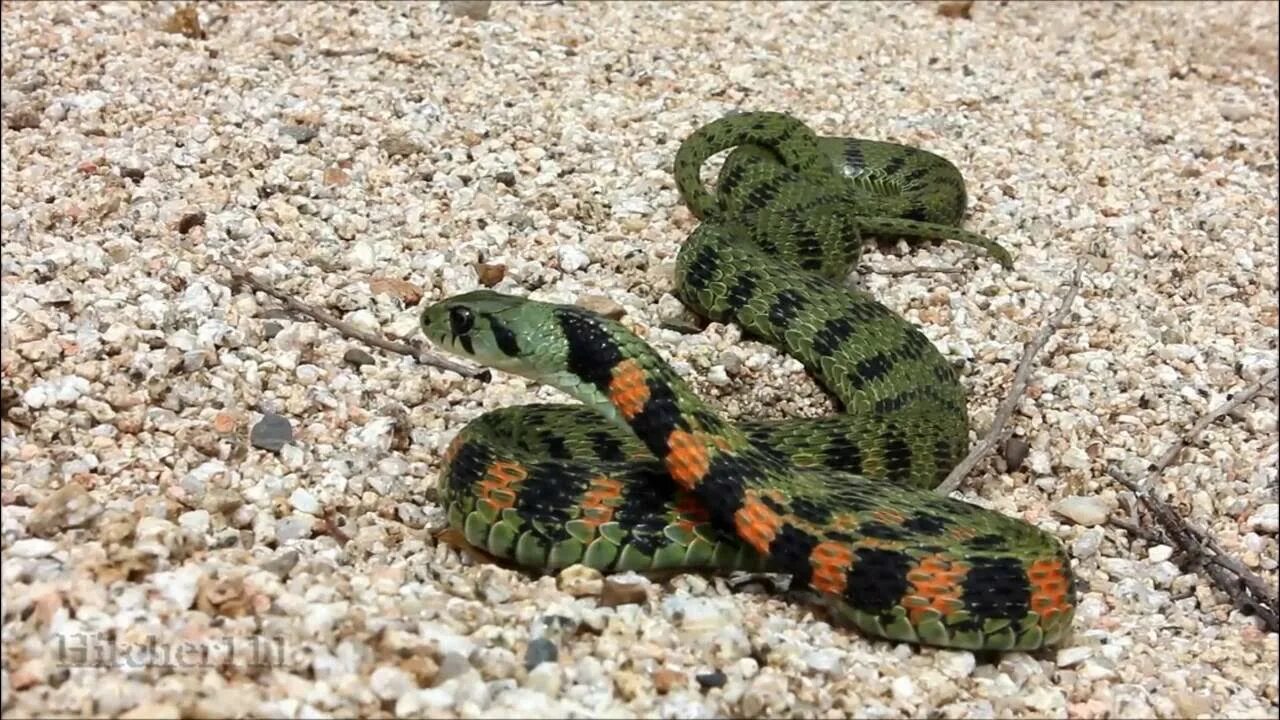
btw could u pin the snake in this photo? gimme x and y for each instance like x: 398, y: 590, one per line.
x: 641, y: 474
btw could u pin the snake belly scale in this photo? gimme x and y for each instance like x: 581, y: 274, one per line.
x: 643, y: 475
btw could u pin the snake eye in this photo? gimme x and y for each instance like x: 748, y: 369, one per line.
x: 460, y: 320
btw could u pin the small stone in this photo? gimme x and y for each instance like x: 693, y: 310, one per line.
x: 190, y: 221
x: 23, y: 119
x: 1235, y: 112
x: 154, y: 711
x: 827, y: 661
x: 281, y: 564
x: 962, y: 9
x: 1068, y: 657
x: 546, y: 679
x: 271, y: 432
x: 1086, y: 546
x: 572, y: 258
x: 506, y: 177
x: 473, y: 9
x: 665, y: 680
x: 581, y: 581
x: 68, y: 507
x: 406, y: 291
x: 32, y: 548
x: 716, y: 375
x: 540, y: 650
x: 713, y: 679
x: 304, y: 502
x: 452, y: 665
x: 300, y: 133
x: 620, y: 591
x: 294, y: 527
x: 490, y: 274
x: 358, y: 357
x: 389, y: 683
x: 1083, y: 510
x: 1159, y: 553
x: 185, y: 21
x: 1265, y: 520
x: 1015, y: 452
x: 197, y: 521
x: 601, y: 305
x: 1076, y: 459
x: 398, y: 145
x: 903, y: 688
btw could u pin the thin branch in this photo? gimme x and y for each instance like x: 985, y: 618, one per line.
x: 1246, y: 589
x: 998, y: 433
x: 909, y: 270
x: 241, y: 275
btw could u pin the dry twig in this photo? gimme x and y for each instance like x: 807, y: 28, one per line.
x: 241, y: 275
x: 1246, y: 590
x: 998, y: 433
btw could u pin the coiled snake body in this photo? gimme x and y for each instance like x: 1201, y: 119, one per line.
x: 646, y: 476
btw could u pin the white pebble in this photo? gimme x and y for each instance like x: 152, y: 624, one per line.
x: 825, y: 660
x: 903, y: 688
x: 389, y: 683
x: 572, y: 259
x: 1159, y: 553
x: 196, y: 521
x: 1266, y: 520
x: 303, y: 501
x: 32, y: 547
x: 1083, y: 510
x: 716, y: 375
x: 1073, y: 656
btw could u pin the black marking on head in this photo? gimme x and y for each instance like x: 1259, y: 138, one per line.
x: 503, y: 336
x: 606, y: 446
x: 592, y: 352
x: 897, y: 457
x: 878, y: 579
x: 880, y: 531
x: 892, y: 167
x: 996, y: 588
x: 925, y: 524
x: 465, y: 342
x: 786, y: 306
x: 986, y: 542
x: 833, y: 334
x: 790, y: 550
x: 461, y: 320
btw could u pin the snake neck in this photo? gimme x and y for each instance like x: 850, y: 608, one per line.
x: 790, y: 140
x: 624, y: 379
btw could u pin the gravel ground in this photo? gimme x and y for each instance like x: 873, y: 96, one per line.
x: 187, y: 462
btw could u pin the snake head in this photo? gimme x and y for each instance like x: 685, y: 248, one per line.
x: 500, y: 331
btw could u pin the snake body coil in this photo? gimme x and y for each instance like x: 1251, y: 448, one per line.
x: 645, y: 476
